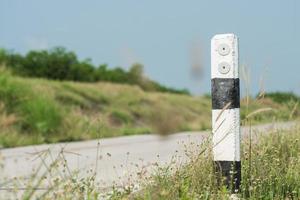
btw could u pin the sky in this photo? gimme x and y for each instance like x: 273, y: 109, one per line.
x: 167, y: 37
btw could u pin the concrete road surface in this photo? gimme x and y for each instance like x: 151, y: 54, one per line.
x: 117, y: 161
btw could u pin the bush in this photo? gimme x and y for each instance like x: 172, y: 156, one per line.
x: 282, y: 97
x: 40, y: 115
x: 120, y: 117
x: 60, y: 64
x: 11, y: 92
x: 36, y: 113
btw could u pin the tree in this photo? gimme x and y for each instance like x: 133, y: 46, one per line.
x: 135, y: 73
x: 36, y: 63
x: 60, y: 63
x: 3, y: 55
x: 83, y: 71
x: 101, y: 73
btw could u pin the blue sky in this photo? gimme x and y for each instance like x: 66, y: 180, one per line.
x: 165, y: 36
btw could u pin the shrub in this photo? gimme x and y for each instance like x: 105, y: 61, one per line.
x: 60, y: 64
x: 282, y: 97
x: 120, y: 117
x: 36, y: 113
x: 40, y: 115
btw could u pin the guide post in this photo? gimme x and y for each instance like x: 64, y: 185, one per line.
x: 225, y: 91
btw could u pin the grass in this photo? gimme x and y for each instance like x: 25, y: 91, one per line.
x: 270, y: 170
x: 35, y: 111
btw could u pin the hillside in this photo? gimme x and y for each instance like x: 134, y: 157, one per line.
x: 36, y: 111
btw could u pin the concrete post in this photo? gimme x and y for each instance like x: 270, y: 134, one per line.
x: 225, y: 90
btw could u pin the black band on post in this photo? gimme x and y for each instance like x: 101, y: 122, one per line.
x: 229, y: 174
x: 225, y: 90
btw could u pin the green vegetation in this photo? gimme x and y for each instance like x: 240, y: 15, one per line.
x: 35, y: 111
x: 270, y: 170
x: 283, y: 97
x: 60, y: 64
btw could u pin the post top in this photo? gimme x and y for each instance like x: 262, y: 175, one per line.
x: 223, y: 36
x: 224, y: 56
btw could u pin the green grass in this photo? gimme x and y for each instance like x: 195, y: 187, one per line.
x: 270, y: 170
x: 35, y: 111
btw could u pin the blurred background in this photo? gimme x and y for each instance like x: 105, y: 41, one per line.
x: 76, y: 71
x: 171, y: 39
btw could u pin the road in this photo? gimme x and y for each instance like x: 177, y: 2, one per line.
x: 116, y: 160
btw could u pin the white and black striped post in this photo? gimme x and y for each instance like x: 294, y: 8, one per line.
x: 226, y: 109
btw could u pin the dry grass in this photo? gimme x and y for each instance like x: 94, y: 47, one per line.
x: 6, y: 120
x: 43, y: 111
x: 270, y: 170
